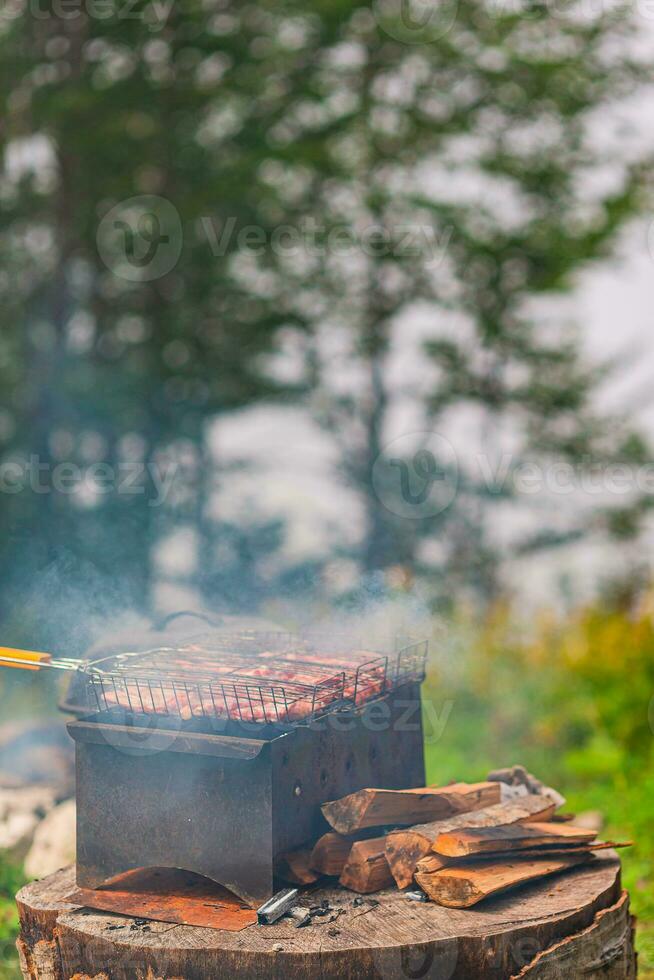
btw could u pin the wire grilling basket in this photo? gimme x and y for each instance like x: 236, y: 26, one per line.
x: 254, y: 677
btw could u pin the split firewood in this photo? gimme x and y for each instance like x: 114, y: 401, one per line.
x: 295, y: 867
x: 482, y: 840
x: 397, y: 807
x: 330, y: 853
x: 431, y: 862
x: 465, y: 885
x: 435, y: 862
x: 366, y: 869
x: 404, y: 848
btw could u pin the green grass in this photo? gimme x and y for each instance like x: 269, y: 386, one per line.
x: 11, y: 880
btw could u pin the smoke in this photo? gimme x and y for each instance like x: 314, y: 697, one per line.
x: 67, y: 605
x: 373, y: 617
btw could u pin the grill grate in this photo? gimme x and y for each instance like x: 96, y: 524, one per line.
x: 250, y: 677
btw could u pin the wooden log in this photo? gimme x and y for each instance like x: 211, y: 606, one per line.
x: 403, y: 807
x: 330, y: 853
x: 296, y: 868
x: 366, y: 869
x: 481, y: 840
x: 463, y: 886
x: 404, y: 848
x: 59, y: 941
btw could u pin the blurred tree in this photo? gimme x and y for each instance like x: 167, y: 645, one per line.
x: 442, y: 162
x: 125, y: 329
x: 205, y: 204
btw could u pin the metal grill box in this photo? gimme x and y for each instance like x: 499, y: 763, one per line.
x: 187, y: 780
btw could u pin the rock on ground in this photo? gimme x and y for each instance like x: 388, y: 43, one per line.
x: 54, y: 842
x: 21, y: 811
x: 33, y: 752
x: 590, y: 820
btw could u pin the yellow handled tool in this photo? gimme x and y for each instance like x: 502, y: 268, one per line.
x: 33, y: 660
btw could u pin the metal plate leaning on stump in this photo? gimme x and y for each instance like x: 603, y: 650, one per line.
x: 576, y: 924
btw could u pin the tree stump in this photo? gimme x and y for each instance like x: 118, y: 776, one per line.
x: 574, y: 925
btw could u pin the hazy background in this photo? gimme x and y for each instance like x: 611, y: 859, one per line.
x: 166, y: 313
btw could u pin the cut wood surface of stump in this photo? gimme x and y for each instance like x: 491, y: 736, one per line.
x: 575, y: 925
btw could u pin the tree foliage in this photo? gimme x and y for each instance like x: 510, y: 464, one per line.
x: 333, y: 171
